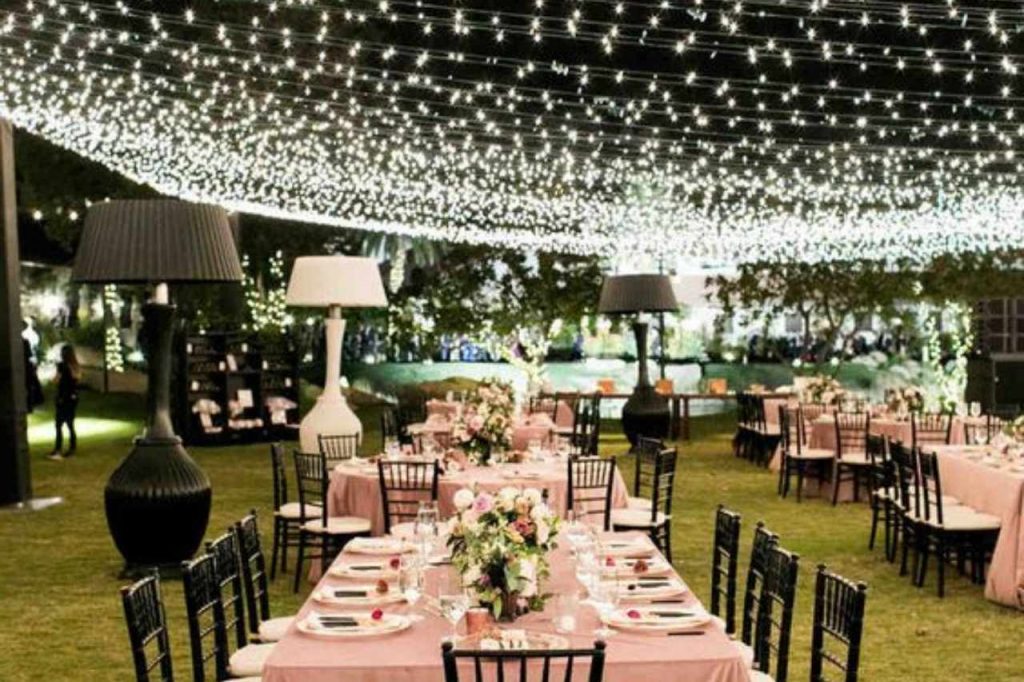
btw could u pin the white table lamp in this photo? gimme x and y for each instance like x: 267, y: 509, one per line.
x: 333, y: 282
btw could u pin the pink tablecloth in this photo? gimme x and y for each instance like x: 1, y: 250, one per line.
x: 536, y: 427
x: 415, y: 654
x: 823, y: 431
x: 996, y: 491
x: 355, y: 488
x: 443, y: 408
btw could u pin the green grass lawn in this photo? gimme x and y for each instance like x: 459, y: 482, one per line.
x: 61, y: 614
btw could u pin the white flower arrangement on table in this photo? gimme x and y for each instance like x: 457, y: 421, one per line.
x: 823, y: 389
x: 904, y: 400
x: 500, y: 545
x: 484, y: 426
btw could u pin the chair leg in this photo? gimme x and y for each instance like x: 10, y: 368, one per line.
x: 276, y: 548
x: 887, y: 527
x: 874, y: 523
x: 837, y: 480
x: 298, y: 561
x: 906, y: 550
x: 940, y: 564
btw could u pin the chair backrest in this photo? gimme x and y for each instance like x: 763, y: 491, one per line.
x: 838, y: 621
x: 930, y: 486
x: 311, y: 481
x: 540, y: 404
x: 389, y: 427
x: 981, y: 432
x: 791, y: 430
x: 586, y: 426
x: 764, y: 540
x: 852, y: 429
x: 812, y: 411
x: 147, y: 630
x: 882, y: 475
x: 204, y: 611
x: 725, y: 566
x: 518, y: 665
x: 590, y: 487
x: 403, y: 485
x: 775, y: 626
x: 664, y: 482
x: 905, y: 467
x: 930, y: 428
x: 254, y: 571
x: 411, y: 412
x: 338, y: 448
x: 443, y: 440
x: 229, y: 577
x: 280, y: 479
x: 647, y: 450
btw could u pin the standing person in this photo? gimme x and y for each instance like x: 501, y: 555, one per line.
x: 69, y: 373
x: 33, y: 389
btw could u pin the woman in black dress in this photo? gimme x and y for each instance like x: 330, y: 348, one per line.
x: 68, y: 375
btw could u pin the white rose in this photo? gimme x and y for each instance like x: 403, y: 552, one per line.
x: 543, y: 532
x: 464, y: 499
x: 528, y: 574
x: 533, y: 496
x: 508, y: 496
x: 540, y: 512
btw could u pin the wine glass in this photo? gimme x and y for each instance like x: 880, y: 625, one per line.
x: 534, y: 448
x: 392, y: 448
x: 453, y: 608
x: 604, y: 594
x: 410, y: 579
x: 425, y: 527
x: 975, y: 409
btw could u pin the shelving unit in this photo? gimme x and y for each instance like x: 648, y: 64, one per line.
x: 235, y: 386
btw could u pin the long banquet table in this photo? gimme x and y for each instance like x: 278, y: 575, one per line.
x: 355, y: 487
x: 415, y: 654
x: 990, y: 486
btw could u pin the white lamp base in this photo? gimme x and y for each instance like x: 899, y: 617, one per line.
x: 331, y: 416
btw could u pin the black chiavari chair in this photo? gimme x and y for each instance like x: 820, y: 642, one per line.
x: 797, y: 457
x: 851, y: 460
x: 543, y: 405
x: 838, y: 621
x: 403, y: 486
x: 590, y: 488
x: 950, y: 528
x: 646, y: 450
x: 767, y: 436
x: 775, y: 627
x: 764, y: 540
x: 288, y: 516
x: 741, y: 441
x: 930, y: 428
x: 657, y: 520
x: 907, y: 526
x: 262, y: 625
x: 212, y: 656
x: 586, y: 427
x: 229, y: 579
x: 147, y: 630
x: 725, y: 566
x: 338, y: 448
x: 883, y: 493
x: 423, y: 441
x: 518, y: 665
x: 331, y: 532
x: 981, y: 432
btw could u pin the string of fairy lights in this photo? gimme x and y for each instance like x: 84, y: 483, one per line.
x: 719, y: 132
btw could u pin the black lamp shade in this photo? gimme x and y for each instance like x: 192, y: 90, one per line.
x: 636, y: 294
x: 156, y: 240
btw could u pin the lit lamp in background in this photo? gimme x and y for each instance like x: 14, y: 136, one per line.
x: 158, y: 499
x: 646, y: 412
x: 333, y: 282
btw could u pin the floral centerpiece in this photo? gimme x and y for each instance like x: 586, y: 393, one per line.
x: 484, y: 427
x: 904, y: 400
x: 823, y: 389
x: 500, y: 545
x: 1015, y: 430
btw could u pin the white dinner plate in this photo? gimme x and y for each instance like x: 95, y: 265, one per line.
x: 627, y: 548
x: 362, y: 570
x: 336, y: 596
x: 656, y: 619
x: 389, y: 624
x: 379, y: 546
x: 645, y: 590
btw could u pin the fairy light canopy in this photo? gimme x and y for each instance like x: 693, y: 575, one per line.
x: 713, y: 131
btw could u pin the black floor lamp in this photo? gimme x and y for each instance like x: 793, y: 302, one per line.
x: 158, y: 499
x: 646, y: 412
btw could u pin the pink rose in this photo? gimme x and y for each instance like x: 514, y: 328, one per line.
x: 476, y: 423
x: 483, y: 503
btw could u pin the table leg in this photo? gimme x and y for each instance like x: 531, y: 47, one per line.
x: 686, y: 418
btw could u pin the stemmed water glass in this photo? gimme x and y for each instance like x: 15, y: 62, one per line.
x: 425, y: 527
x: 410, y: 579
x: 453, y: 607
x: 604, y: 595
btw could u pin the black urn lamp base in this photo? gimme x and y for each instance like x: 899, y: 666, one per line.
x: 646, y: 414
x: 158, y: 499
x: 158, y: 505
